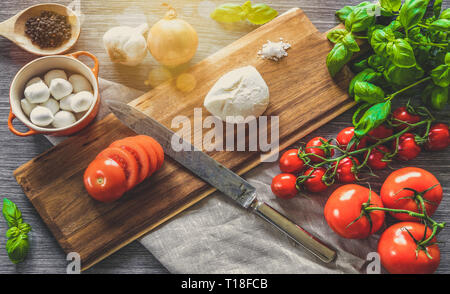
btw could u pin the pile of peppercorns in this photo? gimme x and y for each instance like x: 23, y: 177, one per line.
x: 49, y: 30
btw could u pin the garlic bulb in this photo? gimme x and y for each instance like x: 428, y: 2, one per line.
x: 51, y: 104
x: 80, y: 83
x: 63, y: 119
x: 126, y: 45
x: 27, y: 107
x: 60, y: 88
x: 54, y: 74
x: 37, y: 92
x: 64, y: 103
x: 81, y: 101
x: 41, y: 116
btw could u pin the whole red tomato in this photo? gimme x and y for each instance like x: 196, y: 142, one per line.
x: 380, y: 132
x: 400, y: 254
x: 345, y: 205
x: 377, y: 158
x: 315, y: 183
x: 317, y: 142
x: 407, y: 147
x: 344, y: 137
x: 402, y: 114
x: 438, y: 138
x: 394, y: 196
x: 290, y: 162
x: 105, y: 180
x: 283, y: 186
x: 346, y: 172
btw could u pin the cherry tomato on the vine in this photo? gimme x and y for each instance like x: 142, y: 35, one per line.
x: 407, y: 147
x: 311, y: 147
x: 290, y: 162
x: 315, y: 183
x: 346, y: 172
x: 380, y: 132
x: 377, y: 159
x: 402, y: 114
x: 395, y: 196
x: 344, y: 206
x: 438, y: 137
x: 283, y: 186
x: 343, y: 139
x: 400, y: 254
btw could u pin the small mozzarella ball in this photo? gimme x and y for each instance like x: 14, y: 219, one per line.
x: 64, y: 103
x: 63, y: 119
x: 27, y: 107
x: 41, y: 116
x: 34, y: 81
x: 37, y: 93
x: 80, y: 83
x: 60, y: 88
x: 54, y: 74
x: 81, y: 101
x: 51, y: 104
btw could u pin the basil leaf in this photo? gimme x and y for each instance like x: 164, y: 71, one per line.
x: 440, y: 76
x: 391, y: 5
x: 337, y: 58
x: 24, y: 228
x: 12, y: 232
x: 445, y: 14
x: 17, y: 248
x: 447, y: 58
x: 380, y: 41
x: 12, y: 214
x: 372, y: 118
x: 361, y: 18
x: 229, y: 13
x: 350, y: 42
x: 377, y: 62
x: 441, y: 25
x: 343, y: 13
x: 439, y: 97
x: 403, y: 76
x: 261, y: 13
x: 359, y: 66
x: 367, y: 75
x: 402, y: 54
x: 437, y: 6
x: 336, y: 36
x: 368, y: 92
x: 412, y: 12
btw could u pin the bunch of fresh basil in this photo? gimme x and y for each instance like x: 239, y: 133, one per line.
x: 409, y: 46
x: 17, y: 245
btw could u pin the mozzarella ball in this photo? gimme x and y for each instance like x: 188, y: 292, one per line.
x: 37, y: 93
x: 80, y: 83
x: 81, y: 101
x: 33, y: 81
x: 27, y: 107
x: 54, y: 74
x: 64, y: 103
x: 60, y: 88
x: 41, y: 116
x: 63, y: 119
x: 51, y: 104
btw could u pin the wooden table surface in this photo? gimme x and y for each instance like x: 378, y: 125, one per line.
x: 98, y: 16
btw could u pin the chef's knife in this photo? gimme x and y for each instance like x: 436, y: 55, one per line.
x: 218, y: 176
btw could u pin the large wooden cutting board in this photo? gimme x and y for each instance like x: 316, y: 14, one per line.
x: 302, y: 94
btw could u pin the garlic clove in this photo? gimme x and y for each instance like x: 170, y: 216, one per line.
x: 81, y: 101
x: 27, y: 107
x: 41, y: 116
x: 37, y: 93
x: 64, y: 103
x: 59, y: 88
x: 51, y: 104
x: 63, y: 119
x: 33, y: 81
x: 54, y: 74
x: 80, y: 83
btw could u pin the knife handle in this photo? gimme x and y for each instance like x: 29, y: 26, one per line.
x: 293, y: 231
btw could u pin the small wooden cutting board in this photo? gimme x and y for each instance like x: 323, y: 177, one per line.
x: 302, y: 94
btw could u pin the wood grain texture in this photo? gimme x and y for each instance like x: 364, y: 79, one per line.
x: 46, y: 256
x: 53, y: 181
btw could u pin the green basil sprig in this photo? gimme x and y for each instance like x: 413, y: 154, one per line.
x: 255, y: 13
x: 17, y: 245
x: 372, y: 118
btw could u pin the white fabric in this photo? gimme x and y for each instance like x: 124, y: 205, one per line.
x: 217, y: 236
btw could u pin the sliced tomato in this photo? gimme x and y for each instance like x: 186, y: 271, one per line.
x: 151, y: 154
x: 152, y: 143
x: 138, y: 152
x: 126, y: 160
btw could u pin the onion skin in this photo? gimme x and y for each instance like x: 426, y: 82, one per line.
x: 172, y: 41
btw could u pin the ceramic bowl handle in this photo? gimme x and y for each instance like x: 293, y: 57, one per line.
x: 16, y: 132
x: 92, y: 56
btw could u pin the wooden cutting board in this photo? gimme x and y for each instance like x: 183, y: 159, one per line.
x: 302, y: 94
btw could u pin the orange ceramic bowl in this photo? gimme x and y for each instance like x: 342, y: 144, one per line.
x: 39, y: 67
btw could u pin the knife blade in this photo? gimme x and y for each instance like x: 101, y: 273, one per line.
x: 218, y: 176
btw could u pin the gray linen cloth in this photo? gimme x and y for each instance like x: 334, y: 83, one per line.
x: 216, y: 236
